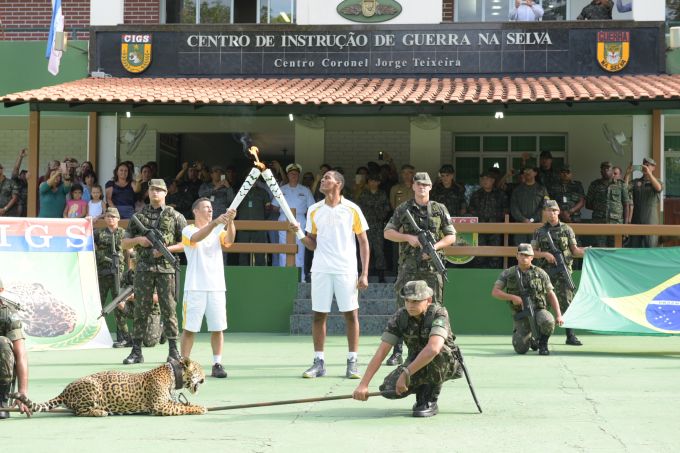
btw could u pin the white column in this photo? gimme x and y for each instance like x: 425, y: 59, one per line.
x: 309, y: 143
x: 106, y: 12
x: 642, y: 139
x: 654, y: 10
x: 426, y: 144
x: 107, y: 156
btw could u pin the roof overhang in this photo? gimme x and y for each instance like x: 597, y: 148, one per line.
x: 358, y: 96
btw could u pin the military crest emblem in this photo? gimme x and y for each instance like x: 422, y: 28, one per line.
x: 613, y: 50
x: 464, y: 239
x: 135, y: 52
x: 369, y: 11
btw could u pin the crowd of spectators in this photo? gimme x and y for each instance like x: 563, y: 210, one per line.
x: 70, y: 189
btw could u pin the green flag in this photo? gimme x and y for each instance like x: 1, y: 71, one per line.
x: 628, y: 291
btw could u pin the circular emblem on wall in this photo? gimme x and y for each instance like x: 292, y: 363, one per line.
x: 369, y: 11
x: 135, y: 52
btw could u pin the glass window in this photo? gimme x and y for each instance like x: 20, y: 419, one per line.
x: 469, y: 10
x: 468, y: 143
x: 277, y: 11
x: 553, y: 143
x: 671, y: 178
x: 467, y: 170
x: 496, y: 10
x: 495, y: 143
x: 522, y: 144
x: 180, y: 12
x: 554, y: 9
x: 215, y: 12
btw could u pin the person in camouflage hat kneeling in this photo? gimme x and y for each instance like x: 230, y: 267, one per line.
x: 432, y: 360
x: 536, y: 283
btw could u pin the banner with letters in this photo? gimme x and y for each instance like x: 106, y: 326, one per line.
x: 628, y: 291
x: 48, y: 267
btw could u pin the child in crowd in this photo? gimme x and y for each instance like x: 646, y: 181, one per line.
x: 76, y: 207
x: 96, y: 206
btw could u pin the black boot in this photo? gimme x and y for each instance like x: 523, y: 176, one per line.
x: 4, y: 400
x: 136, y: 354
x: 173, y: 353
x: 426, y: 401
x: 123, y: 340
x: 396, y: 357
x: 572, y: 339
x: 543, y: 345
x: 163, y: 338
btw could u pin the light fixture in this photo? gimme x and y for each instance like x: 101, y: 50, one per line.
x: 127, y: 115
x: 291, y: 117
x: 499, y: 115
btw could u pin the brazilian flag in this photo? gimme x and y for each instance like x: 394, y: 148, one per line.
x: 628, y: 291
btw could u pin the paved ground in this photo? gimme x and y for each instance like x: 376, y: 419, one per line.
x: 617, y: 393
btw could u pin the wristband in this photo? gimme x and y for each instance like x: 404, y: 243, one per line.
x: 408, y: 376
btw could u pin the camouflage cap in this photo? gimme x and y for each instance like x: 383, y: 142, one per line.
x: 158, y: 184
x: 422, y: 178
x: 113, y: 212
x: 552, y: 205
x: 648, y: 160
x: 416, y: 290
x: 525, y: 249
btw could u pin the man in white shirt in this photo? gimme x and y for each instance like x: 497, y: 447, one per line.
x: 299, y: 198
x: 526, y: 11
x: 204, y: 286
x: 332, y: 224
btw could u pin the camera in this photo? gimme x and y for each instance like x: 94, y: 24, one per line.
x: 222, y: 177
x: 381, y: 155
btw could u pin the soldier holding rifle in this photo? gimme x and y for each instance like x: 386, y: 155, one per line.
x: 156, y: 232
x: 414, y: 264
x: 555, y: 248
x: 13, y: 357
x: 528, y: 288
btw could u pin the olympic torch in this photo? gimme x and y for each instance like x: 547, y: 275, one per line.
x: 249, y: 181
x: 268, y: 177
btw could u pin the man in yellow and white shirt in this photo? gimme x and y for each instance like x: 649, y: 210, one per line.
x: 204, y: 286
x: 332, y: 225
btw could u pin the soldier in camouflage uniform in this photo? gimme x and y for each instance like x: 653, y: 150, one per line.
x: 597, y: 10
x: 413, y: 264
x: 13, y: 359
x: 153, y: 271
x: 422, y: 324
x: 537, y: 283
x: 569, y: 195
x: 646, y: 197
x: 108, y: 242
x: 547, y: 176
x: 448, y: 192
x: 608, y: 198
x: 375, y: 206
x: 565, y: 241
x: 526, y: 202
x: 9, y: 195
x: 489, y: 204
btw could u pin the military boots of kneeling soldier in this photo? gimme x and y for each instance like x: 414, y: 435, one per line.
x: 136, y: 353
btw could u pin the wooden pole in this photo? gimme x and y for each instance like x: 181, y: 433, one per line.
x: 33, y: 155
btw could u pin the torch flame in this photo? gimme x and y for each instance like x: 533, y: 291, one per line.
x: 254, y: 152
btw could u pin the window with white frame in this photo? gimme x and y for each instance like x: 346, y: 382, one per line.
x: 499, y: 10
x: 228, y: 11
x: 475, y: 153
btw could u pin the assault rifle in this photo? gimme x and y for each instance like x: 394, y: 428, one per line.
x: 459, y: 354
x: 115, y: 262
x: 154, y: 236
x: 10, y: 303
x: 527, y: 308
x: 560, y: 262
x: 122, y: 296
x: 427, y: 243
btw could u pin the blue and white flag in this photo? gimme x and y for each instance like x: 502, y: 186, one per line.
x: 54, y: 56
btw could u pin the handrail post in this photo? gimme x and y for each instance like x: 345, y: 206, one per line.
x: 290, y: 239
x: 506, y: 240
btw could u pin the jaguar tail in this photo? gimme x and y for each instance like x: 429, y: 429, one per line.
x: 38, y: 407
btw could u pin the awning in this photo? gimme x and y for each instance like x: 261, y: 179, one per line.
x: 430, y: 94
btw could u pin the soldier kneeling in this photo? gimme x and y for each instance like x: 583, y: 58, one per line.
x: 432, y: 356
x: 526, y: 282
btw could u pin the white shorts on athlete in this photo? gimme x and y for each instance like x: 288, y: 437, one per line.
x: 344, y: 286
x: 211, y: 304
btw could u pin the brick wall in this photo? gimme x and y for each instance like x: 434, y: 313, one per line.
x: 352, y: 149
x: 447, y: 10
x: 29, y: 20
x: 142, y: 11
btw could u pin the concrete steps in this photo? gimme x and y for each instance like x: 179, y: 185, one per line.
x: 376, y: 305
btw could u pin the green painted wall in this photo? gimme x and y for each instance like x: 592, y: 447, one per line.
x: 25, y: 68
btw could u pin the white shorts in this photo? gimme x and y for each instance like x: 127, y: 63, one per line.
x: 212, y: 304
x: 344, y: 286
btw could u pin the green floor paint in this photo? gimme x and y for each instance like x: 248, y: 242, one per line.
x: 616, y: 393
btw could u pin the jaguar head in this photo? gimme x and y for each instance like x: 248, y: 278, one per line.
x: 192, y: 374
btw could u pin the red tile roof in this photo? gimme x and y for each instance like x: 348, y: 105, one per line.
x: 355, y: 91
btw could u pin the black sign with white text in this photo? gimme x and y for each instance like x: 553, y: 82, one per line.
x: 544, y: 48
